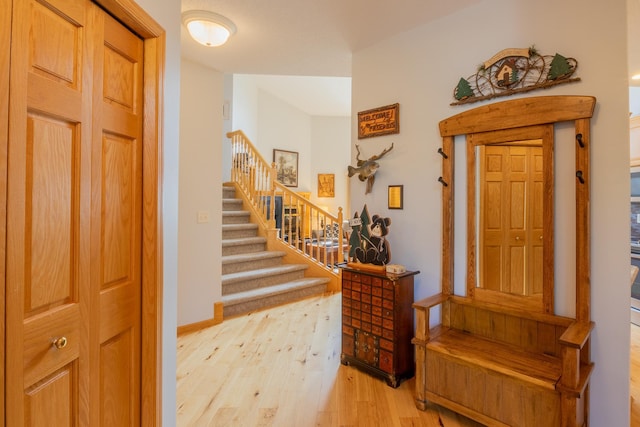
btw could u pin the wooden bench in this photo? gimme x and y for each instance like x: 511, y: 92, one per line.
x: 497, y: 366
x: 499, y: 353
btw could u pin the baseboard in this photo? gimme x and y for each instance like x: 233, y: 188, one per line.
x: 218, y: 317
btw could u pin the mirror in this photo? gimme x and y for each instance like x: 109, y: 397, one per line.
x: 511, y: 209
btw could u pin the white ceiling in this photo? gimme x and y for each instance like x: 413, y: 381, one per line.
x: 312, y: 38
x: 278, y: 38
x: 307, y: 37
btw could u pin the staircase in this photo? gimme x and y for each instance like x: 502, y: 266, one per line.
x: 252, y: 277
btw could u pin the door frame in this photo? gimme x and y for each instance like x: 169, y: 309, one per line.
x: 142, y: 24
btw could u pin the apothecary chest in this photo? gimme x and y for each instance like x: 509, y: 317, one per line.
x: 377, y: 323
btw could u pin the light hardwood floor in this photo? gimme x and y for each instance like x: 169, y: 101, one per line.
x: 281, y: 367
x: 635, y: 375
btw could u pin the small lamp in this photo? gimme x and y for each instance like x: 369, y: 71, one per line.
x: 208, y: 28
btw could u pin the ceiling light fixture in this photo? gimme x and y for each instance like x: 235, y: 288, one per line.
x: 635, y: 77
x: 208, y: 28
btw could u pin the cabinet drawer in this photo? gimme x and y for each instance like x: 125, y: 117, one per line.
x: 365, y: 298
x: 388, y: 294
x: 387, y: 324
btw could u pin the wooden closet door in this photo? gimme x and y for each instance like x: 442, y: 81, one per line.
x: 116, y: 234
x: 73, y: 216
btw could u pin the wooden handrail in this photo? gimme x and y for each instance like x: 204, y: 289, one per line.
x: 302, y: 224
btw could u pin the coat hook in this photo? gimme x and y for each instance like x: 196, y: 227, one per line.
x: 580, y: 177
x: 443, y: 182
x: 441, y: 151
x: 579, y: 138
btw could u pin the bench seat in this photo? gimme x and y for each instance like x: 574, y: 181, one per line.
x: 537, y: 369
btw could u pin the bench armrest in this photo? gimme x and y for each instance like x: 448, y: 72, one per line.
x: 577, y: 334
x: 431, y: 301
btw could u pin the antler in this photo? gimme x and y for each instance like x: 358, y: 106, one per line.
x: 385, y: 151
x: 358, y: 156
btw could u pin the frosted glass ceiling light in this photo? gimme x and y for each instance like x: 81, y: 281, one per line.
x: 208, y: 28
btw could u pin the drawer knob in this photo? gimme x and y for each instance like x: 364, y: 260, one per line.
x: 60, y: 343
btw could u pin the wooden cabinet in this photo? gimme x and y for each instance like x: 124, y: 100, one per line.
x: 377, y: 323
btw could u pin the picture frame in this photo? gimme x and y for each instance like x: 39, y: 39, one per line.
x: 379, y: 121
x: 326, y: 185
x: 395, y: 197
x: 286, y: 167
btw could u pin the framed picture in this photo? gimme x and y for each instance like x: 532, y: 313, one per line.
x: 395, y: 197
x: 326, y: 185
x: 286, y: 167
x: 379, y: 121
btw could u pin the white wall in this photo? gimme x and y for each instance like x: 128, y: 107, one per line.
x: 285, y: 127
x: 420, y: 68
x: 167, y: 14
x: 322, y: 143
x: 331, y: 153
x: 199, y: 249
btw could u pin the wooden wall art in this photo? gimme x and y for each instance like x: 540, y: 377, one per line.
x: 379, y: 121
x: 512, y: 71
x: 326, y: 185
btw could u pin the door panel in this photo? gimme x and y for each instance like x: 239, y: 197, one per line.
x: 46, y: 266
x: 47, y: 400
x: 120, y: 157
x: 74, y: 217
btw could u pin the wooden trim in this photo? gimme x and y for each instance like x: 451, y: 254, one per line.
x: 583, y: 220
x: 5, y: 40
x: 509, y: 114
x: 447, y: 215
x: 194, y: 327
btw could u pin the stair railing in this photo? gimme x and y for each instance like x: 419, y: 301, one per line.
x: 302, y: 225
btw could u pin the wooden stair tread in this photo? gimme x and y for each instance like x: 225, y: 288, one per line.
x: 541, y: 369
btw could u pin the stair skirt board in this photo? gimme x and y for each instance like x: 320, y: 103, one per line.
x: 245, y: 302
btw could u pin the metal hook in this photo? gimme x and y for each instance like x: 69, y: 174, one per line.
x: 579, y: 138
x: 443, y: 182
x: 441, y: 151
x: 580, y: 177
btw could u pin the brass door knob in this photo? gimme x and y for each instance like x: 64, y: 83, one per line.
x: 60, y: 343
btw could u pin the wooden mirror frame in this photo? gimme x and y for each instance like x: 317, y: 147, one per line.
x: 508, y: 115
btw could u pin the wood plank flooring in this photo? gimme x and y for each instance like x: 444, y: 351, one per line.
x: 635, y: 375
x: 281, y: 367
